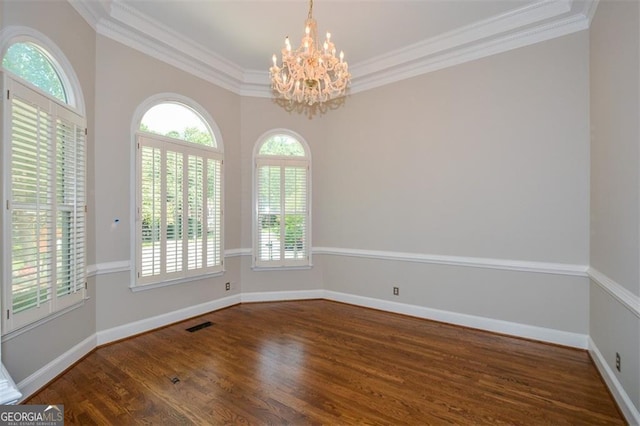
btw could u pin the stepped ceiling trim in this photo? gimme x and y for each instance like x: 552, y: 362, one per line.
x: 534, y: 23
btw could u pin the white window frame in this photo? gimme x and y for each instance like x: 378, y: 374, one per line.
x: 138, y: 282
x: 73, y: 113
x: 280, y: 161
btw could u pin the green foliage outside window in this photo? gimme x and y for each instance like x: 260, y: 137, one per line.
x: 28, y: 62
x: 282, y: 145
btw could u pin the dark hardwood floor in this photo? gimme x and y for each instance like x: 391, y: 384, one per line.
x: 320, y: 362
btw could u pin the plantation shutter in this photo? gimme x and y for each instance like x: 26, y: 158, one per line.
x: 295, y: 210
x: 180, y: 210
x: 213, y: 203
x: 70, y: 206
x: 46, y: 201
x: 269, y: 213
x: 151, y: 187
x: 282, y: 213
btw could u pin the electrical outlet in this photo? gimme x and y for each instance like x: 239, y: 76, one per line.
x: 396, y: 291
x: 617, y: 361
x: 227, y: 286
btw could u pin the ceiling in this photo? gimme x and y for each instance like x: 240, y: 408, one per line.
x: 230, y: 42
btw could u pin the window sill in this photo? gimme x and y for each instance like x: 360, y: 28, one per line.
x: 281, y: 268
x: 151, y: 286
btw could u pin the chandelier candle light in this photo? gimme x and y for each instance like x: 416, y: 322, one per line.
x: 310, y: 74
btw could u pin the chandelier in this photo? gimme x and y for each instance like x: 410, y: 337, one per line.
x: 310, y: 74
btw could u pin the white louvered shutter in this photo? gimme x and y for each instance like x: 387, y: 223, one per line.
x: 282, y: 213
x: 180, y: 204
x: 46, y: 206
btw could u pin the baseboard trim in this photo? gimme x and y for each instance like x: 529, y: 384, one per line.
x: 44, y: 375
x: 630, y: 412
x: 547, y: 335
x: 47, y: 373
x: 147, y: 324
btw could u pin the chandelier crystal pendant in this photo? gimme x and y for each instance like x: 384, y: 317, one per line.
x: 310, y: 74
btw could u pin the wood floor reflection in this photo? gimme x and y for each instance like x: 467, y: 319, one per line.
x: 321, y: 362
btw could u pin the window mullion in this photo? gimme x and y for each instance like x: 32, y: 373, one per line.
x: 185, y: 213
x: 163, y: 211
x: 283, y: 217
x: 205, y: 211
x: 39, y: 206
x: 53, y: 194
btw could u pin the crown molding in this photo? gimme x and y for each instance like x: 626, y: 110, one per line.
x: 91, y: 11
x: 497, y: 35
x: 534, y: 23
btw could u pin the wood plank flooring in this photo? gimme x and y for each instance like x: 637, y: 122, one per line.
x: 321, y: 362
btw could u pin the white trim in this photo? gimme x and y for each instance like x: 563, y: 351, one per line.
x: 474, y: 262
x: 108, y: 268
x: 560, y: 337
x: 143, y: 287
x: 237, y: 252
x: 146, y: 324
x: 160, y: 33
x: 44, y: 375
x: 621, y: 294
x: 630, y: 412
x: 280, y: 296
x: 125, y: 265
x: 590, y: 8
x: 474, y: 41
x: 9, y: 393
x: 198, y: 62
x: 281, y: 268
x: 530, y: 24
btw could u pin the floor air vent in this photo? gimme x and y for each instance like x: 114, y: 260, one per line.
x: 199, y: 326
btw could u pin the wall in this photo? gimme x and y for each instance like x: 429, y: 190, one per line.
x: 259, y: 116
x: 125, y: 78
x: 615, y: 192
x: 28, y: 352
x: 485, y: 162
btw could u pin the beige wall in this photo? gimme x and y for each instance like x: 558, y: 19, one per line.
x: 615, y: 147
x: 615, y: 187
x: 485, y: 159
x: 120, y: 90
x: 29, y: 351
x: 489, y: 159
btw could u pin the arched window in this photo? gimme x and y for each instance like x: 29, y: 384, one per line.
x: 35, y: 65
x: 179, y: 202
x: 282, y: 218
x: 44, y: 155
